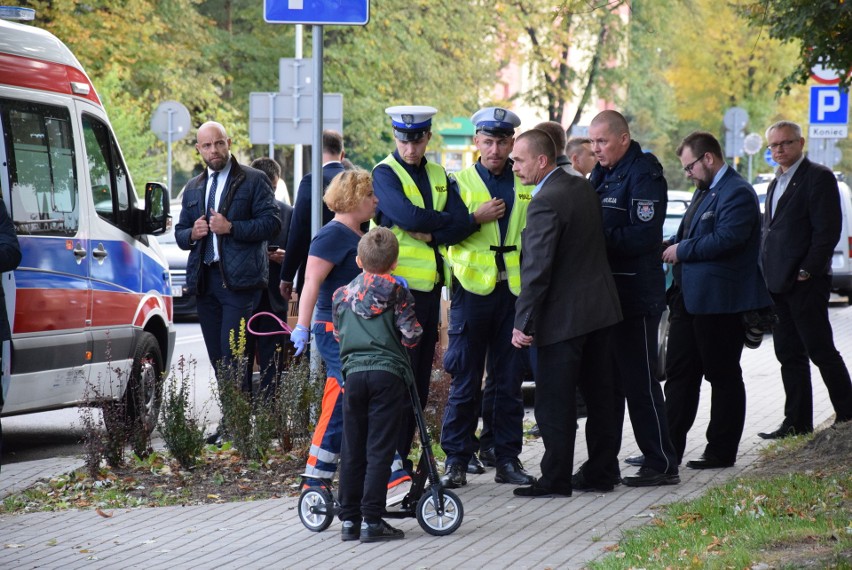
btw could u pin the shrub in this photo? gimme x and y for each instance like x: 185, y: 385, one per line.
x: 182, y: 430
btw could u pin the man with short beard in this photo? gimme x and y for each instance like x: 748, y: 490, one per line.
x: 716, y: 280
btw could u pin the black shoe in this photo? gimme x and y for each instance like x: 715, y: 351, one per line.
x: 708, y: 462
x: 487, y: 457
x: 580, y: 483
x: 535, y: 490
x: 783, y: 431
x: 635, y: 460
x: 648, y: 477
x: 378, y: 532
x: 475, y: 466
x: 351, y: 530
x: 513, y: 472
x: 534, y: 431
x: 216, y: 438
x: 455, y: 476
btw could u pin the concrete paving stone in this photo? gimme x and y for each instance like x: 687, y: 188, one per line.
x: 499, y: 530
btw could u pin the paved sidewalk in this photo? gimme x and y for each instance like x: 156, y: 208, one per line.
x: 499, y: 530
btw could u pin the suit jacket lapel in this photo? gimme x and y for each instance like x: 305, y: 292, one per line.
x: 792, y: 186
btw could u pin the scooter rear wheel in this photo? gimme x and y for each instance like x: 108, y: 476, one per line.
x: 316, y: 509
x: 440, y: 524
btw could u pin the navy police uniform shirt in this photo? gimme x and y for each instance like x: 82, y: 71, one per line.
x: 634, y: 198
x: 501, y: 186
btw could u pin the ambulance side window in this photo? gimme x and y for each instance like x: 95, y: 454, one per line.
x: 111, y: 187
x: 42, y: 168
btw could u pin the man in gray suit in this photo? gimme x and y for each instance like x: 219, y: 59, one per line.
x: 568, y: 300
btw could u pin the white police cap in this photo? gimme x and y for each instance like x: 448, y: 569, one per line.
x: 411, y: 122
x: 496, y: 121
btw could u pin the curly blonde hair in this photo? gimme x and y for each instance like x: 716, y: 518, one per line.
x: 348, y: 190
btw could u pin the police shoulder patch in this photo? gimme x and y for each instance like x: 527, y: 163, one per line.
x: 645, y: 210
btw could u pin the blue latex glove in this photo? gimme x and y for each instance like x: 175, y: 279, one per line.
x: 400, y: 280
x: 300, y: 337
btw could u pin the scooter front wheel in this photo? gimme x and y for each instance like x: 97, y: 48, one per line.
x: 440, y: 523
x: 316, y: 509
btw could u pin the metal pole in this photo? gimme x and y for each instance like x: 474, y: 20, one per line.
x: 750, y: 177
x: 272, y: 125
x: 316, y: 151
x: 297, y: 152
x: 169, y: 144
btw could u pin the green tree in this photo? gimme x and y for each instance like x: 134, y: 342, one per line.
x: 821, y: 30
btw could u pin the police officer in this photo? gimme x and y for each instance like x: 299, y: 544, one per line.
x: 487, y: 280
x: 632, y: 190
x: 425, y: 212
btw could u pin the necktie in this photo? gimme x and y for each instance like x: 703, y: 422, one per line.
x: 211, y: 203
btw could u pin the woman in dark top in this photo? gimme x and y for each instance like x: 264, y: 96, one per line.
x: 331, y: 264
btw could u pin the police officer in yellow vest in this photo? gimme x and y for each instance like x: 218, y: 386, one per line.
x: 425, y: 212
x: 486, y: 283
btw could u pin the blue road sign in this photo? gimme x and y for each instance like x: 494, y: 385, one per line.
x: 829, y: 106
x: 767, y: 156
x: 317, y: 12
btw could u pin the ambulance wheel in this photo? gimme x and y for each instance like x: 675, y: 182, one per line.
x: 137, y: 411
x: 440, y: 524
x: 316, y: 509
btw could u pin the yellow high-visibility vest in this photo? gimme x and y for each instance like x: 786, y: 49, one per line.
x: 416, y: 258
x: 473, y: 261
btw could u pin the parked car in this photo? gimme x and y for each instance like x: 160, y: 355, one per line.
x: 184, y: 305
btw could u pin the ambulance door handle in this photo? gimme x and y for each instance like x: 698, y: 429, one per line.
x: 79, y: 252
x: 100, y: 253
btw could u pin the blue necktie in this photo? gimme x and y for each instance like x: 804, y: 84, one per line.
x: 211, y: 203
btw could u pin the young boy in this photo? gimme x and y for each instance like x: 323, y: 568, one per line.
x: 374, y: 320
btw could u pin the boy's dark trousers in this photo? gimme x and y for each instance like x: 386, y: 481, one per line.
x: 373, y: 403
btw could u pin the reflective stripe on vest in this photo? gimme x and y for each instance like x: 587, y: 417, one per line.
x: 416, y: 258
x: 473, y: 260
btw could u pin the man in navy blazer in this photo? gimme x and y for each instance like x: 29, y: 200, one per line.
x: 716, y: 280
x: 801, y: 225
x: 299, y: 236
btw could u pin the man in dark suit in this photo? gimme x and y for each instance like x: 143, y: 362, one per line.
x: 299, y: 236
x: 567, y: 302
x: 10, y: 258
x: 801, y: 226
x: 228, y: 215
x: 716, y: 280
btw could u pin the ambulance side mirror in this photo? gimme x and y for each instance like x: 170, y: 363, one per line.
x: 156, y: 219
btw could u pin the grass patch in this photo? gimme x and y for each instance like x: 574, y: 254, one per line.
x: 791, y: 511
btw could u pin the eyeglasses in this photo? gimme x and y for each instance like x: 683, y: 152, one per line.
x: 688, y: 168
x: 781, y: 145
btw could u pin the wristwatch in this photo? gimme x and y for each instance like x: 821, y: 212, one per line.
x: 804, y: 274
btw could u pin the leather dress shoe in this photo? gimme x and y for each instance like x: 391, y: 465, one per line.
x: 454, y: 477
x: 635, y: 460
x: 475, y: 466
x: 649, y: 477
x: 513, y: 472
x: 783, y: 431
x: 536, y: 490
x: 580, y: 483
x: 487, y: 457
x: 708, y: 462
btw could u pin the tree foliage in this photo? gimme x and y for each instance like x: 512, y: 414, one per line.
x: 821, y: 30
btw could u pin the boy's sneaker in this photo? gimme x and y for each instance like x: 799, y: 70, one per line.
x: 351, y: 530
x: 379, y: 531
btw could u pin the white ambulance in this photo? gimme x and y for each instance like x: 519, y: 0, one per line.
x: 90, y: 303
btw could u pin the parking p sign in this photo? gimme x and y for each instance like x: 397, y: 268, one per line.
x: 829, y: 113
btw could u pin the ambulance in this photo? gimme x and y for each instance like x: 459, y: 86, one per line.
x: 90, y: 304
